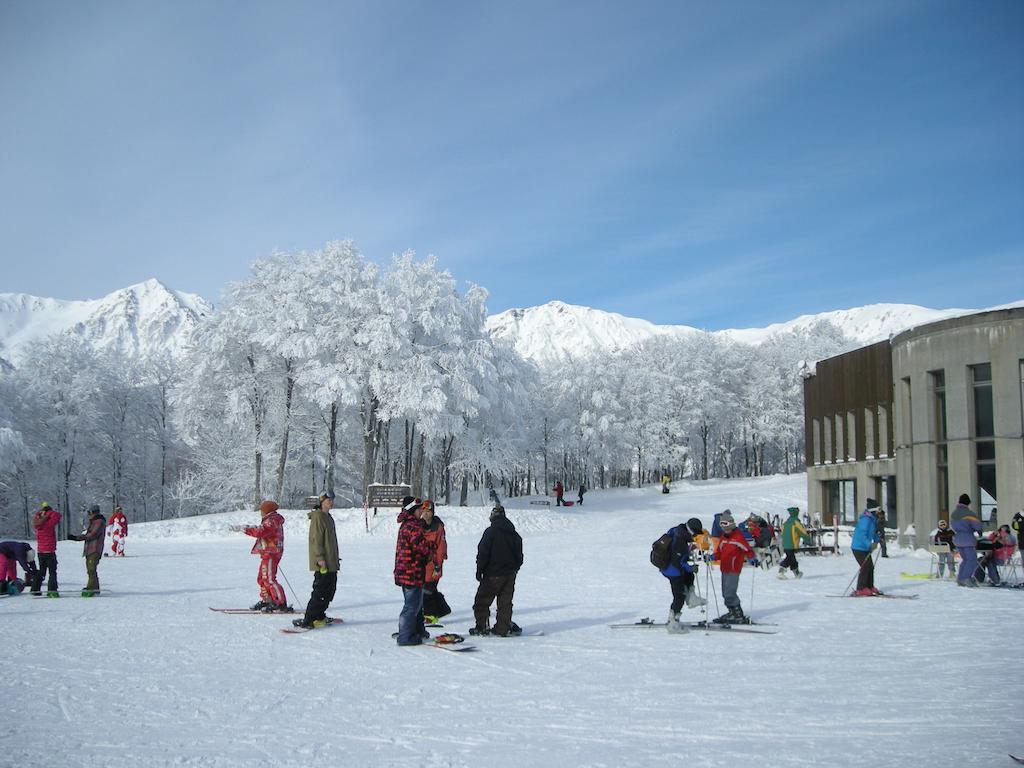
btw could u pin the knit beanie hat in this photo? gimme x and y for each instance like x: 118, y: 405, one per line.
x: 268, y: 506
x: 965, y: 499
x: 793, y: 510
x: 872, y: 505
x: 726, y: 521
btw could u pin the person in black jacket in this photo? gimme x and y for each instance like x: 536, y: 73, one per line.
x: 944, y: 535
x: 499, y: 556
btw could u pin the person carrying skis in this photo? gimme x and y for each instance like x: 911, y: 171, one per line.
x: 324, y: 562
x: 45, y: 522
x: 412, y: 554
x: 499, y: 556
x: 94, y: 538
x: 944, y: 535
x: 434, y: 605
x: 793, y: 532
x: 269, y: 545
x: 13, y: 554
x: 118, y: 525
x: 559, y: 490
x: 732, y: 551
x: 681, y: 572
x: 865, y: 538
x: 966, y: 529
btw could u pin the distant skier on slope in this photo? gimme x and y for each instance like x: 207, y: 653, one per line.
x: 269, y: 545
x: 793, y: 532
x: 118, y: 525
x: 681, y: 572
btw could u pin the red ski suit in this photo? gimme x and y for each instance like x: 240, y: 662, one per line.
x: 732, y: 551
x: 118, y: 526
x: 269, y: 546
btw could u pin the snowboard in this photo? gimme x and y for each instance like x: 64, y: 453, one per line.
x: 250, y: 611
x: 1017, y: 759
x: 888, y: 597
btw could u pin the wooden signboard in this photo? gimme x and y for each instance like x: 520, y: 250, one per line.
x: 380, y: 495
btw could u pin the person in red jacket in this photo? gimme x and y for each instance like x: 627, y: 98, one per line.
x: 732, y: 551
x: 434, y: 604
x: 269, y: 545
x: 559, y: 490
x: 412, y: 553
x: 45, y: 522
x: 118, y: 532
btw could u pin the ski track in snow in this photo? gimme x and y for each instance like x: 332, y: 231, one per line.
x: 146, y: 675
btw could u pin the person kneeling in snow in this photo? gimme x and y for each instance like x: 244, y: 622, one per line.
x: 269, y: 546
x: 731, y: 553
x: 13, y: 554
x: 681, y: 573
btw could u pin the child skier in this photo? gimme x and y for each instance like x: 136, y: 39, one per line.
x: 269, y: 545
x: 793, y: 532
x: 944, y: 535
x: 733, y: 549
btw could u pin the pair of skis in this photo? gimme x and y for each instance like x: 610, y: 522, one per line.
x: 754, y: 628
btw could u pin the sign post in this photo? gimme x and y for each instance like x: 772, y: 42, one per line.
x: 380, y: 495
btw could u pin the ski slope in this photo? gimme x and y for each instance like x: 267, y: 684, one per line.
x: 147, y: 676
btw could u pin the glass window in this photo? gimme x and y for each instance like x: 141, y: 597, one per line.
x: 986, y: 450
x: 987, y: 491
x: 982, y: 372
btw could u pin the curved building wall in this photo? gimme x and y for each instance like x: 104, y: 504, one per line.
x: 959, y: 416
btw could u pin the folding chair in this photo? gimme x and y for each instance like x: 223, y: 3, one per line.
x: 1011, y: 570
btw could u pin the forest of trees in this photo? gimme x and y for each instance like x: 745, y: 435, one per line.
x: 323, y: 371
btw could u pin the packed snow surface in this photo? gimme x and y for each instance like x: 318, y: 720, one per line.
x: 147, y: 676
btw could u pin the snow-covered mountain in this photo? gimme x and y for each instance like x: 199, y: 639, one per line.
x: 556, y: 331
x: 140, y: 319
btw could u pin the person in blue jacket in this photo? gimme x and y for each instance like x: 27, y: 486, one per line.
x: 865, y: 539
x: 680, y: 572
x: 966, y: 529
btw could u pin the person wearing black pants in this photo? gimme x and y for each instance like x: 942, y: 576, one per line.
x: 47, y: 567
x: 324, y: 562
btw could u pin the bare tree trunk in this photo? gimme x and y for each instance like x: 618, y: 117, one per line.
x: 368, y: 412
x: 282, y: 461
x: 332, y: 446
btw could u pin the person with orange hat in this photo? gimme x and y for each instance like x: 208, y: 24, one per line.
x: 269, y: 535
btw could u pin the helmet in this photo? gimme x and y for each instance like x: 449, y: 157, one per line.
x: 694, y: 525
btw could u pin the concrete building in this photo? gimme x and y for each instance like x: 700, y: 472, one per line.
x: 915, y: 421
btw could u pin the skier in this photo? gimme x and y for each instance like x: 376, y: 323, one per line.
x: 269, y: 545
x: 13, y: 554
x: 944, y: 535
x: 793, y: 532
x: 434, y: 605
x: 966, y: 528
x: 499, y: 556
x: 559, y: 490
x: 681, y: 572
x: 92, y: 549
x: 324, y: 562
x: 412, y: 553
x: 731, y: 552
x: 118, y: 525
x: 865, y: 538
x: 45, y: 522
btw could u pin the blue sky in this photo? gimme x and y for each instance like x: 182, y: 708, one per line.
x: 715, y: 164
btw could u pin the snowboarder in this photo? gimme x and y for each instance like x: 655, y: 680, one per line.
x: 944, y: 535
x: 499, y: 556
x: 324, y: 562
x: 92, y: 549
x: 412, y: 553
x: 559, y: 490
x: 118, y: 525
x: 45, y: 522
x: 793, y: 532
x: 13, y: 554
x: 681, y: 572
x: 966, y: 528
x: 733, y: 550
x: 269, y: 545
x: 865, y: 538
x: 434, y: 604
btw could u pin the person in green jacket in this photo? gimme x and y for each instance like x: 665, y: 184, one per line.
x: 324, y: 562
x: 793, y: 532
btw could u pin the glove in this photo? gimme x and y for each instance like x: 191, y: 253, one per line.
x: 323, y: 569
x: 755, y: 562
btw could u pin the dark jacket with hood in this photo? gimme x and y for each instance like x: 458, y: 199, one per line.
x: 500, y: 551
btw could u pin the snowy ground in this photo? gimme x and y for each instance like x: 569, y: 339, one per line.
x: 147, y: 676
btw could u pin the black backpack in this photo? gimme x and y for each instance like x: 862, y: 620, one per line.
x: 661, y: 551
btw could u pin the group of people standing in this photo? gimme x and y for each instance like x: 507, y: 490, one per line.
x: 421, y: 550
x: 40, y: 563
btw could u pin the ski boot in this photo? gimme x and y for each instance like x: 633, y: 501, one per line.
x: 673, y: 625
x: 782, y: 574
x: 736, y: 616
x: 283, y: 608
x: 693, y: 599
x: 798, y: 574
x: 262, y: 605
x: 301, y: 623
x: 865, y: 592
x: 515, y: 630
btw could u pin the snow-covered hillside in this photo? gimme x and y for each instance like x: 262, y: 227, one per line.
x: 146, y: 675
x: 557, y: 331
x: 140, y: 319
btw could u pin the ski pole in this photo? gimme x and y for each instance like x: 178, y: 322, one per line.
x: 753, y: 573
x: 289, y: 585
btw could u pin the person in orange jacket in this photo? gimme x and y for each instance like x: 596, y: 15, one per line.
x: 434, y: 604
x: 269, y: 535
